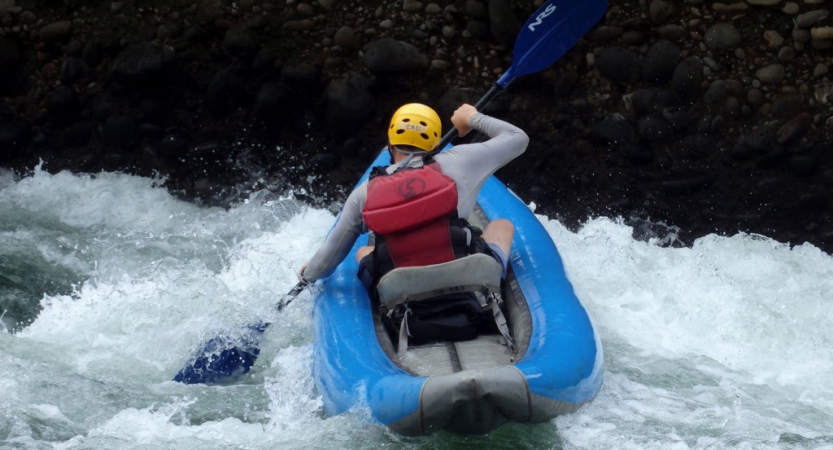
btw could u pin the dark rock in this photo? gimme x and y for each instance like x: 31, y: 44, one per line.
x: 74, y: 48
x: 774, y: 158
x: 56, y: 31
x: 673, y: 32
x: 605, y: 33
x: 614, y: 129
x: 660, y: 61
x: 504, y: 25
x: 794, y: 128
x: 302, y: 75
x: 346, y: 37
x: 661, y: 11
x: 241, y: 42
x: 803, y: 165
x: 349, y: 103
x: 75, y: 136
x: 72, y: 70
x: 64, y: 105
x: 476, y: 9
x: 566, y: 82
x: 120, y: 132
x: 679, y: 119
x: 264, y: 60
x: 685, y: 184
x: 13, y: 135
x: 388, y: 55
x: 715, y: 96
x: 618, y: 64
x: 722, y: 37
x: 323, y: 162
x: 645, y: 101
x: 273, y: 103
x: 787, y: 105
x: 639, y: 153
x: 812, y: 202
x: 150, y: 131
x: 479, y: 29
x: 759, y: 141
x: 143, y: 64
x: 92, y: 54
x: 225, y: 93
x: 653, y: 128
x: 687, y: 77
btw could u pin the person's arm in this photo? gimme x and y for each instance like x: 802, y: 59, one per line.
x: 471, y: 164
x: 339, y: 242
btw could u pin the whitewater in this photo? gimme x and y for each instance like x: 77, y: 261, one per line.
x: 108, y: 284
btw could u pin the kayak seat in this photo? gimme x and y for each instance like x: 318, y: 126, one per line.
x: 473, y: 273
x: 402, y: 291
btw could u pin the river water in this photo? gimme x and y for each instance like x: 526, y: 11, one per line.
x: 108, y: 284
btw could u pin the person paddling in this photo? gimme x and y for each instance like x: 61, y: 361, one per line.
x: 417, y: 206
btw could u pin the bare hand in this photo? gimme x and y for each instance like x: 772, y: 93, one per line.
x: 301, y: 275
x: 460, y: 118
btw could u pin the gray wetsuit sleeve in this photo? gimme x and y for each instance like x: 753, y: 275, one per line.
x: 469, y: 165
x: 342, y: 237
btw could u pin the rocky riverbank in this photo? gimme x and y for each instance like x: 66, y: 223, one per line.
x: 713, y: 116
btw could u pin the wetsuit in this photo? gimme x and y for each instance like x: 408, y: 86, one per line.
x: 469, y: 165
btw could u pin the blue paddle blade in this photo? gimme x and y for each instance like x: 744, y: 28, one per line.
x: 550, y: 33
x: 223, y: 358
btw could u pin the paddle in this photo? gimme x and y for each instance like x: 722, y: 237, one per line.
x: 552, y: 30
x: 224, y: 358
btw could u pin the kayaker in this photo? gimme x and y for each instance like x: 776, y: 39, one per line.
x: 400, y: 201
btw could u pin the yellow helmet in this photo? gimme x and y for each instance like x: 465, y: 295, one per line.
x: 417, y: 125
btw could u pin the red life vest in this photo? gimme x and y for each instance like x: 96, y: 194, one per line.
x: 411, y: 210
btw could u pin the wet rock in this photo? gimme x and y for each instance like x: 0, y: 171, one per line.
x: 653, y: 128
x: 75, y: 136
x: 771, y: 74
x: 56, y: 31
x: 241, y: 42
x: 685, y: 184
x: 478, y: 29
x: 346, y: 37
x: 63, y: 104
x: 758, y: 141
x: 476, y: 9
x: 225, y: 93
x: 72, y: 70
x: 716, y: 94
x: 388, y: 55
x: 660, y: 61
x: 120, y: 132
x: 503, y: 23
x: 722, y: 37
x: 605, y: 33
x: 687, y: 77
x: 811, y: 18
x: 673, y: 32
x: 618, y: 64
x: 614, y: 129
x: 803, y: 165
x: 660, y: 11
x: 794, y: 128
x: 349, y: 102
x: 787, y: 105
x: 143, y: 64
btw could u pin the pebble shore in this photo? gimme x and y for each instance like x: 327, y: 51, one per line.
x: 708, y: 116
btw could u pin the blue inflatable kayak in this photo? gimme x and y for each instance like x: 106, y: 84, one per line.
x: 551, y: 363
